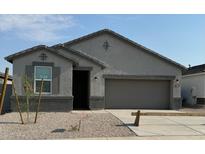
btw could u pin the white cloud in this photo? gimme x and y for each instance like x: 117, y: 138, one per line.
x: 41, y: 28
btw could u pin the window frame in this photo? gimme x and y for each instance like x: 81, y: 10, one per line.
x: 50, y: 80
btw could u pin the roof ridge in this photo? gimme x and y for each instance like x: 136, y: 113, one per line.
x: 87, y: 35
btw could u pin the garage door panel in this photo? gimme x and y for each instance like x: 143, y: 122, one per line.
x: 150, y: 94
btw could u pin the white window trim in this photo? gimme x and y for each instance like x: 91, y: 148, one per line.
x: 43, y: 80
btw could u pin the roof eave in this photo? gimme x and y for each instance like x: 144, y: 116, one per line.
x: 11, y: 57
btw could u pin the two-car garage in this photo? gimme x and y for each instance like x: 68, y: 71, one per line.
x: 137, y: 93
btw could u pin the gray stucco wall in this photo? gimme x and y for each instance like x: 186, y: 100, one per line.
x: 65, y: 83
x: 126, y: 59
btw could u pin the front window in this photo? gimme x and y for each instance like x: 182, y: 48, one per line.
x: 45, y: 73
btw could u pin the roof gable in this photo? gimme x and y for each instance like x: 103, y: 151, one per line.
x: 149, y: 51
x: 37, y: 48
x: 81, y: 54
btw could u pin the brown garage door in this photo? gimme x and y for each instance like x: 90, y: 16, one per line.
x: 129, y: 94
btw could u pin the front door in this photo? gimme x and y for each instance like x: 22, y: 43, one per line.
x: 81, y: 89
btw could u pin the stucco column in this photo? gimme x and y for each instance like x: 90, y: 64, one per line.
x: 176, y: 102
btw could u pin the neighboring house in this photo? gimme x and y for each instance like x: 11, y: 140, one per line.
x: 193, y: 85
x: 6, y: 107
x: 2, y: 78
x: 100, y: 70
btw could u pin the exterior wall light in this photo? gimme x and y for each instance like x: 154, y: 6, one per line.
x: 177, y: 85
x: 177, y: 80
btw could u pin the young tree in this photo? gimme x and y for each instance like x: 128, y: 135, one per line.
x: 28, y: 89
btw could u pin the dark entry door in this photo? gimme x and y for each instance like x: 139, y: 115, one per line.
x: 80, y: 89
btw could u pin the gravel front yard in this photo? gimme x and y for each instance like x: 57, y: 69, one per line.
x: 59, y: 126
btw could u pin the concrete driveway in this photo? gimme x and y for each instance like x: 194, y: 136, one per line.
x: 163, y: 127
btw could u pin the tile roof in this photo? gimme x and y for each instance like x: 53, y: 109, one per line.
x: 195, y: 69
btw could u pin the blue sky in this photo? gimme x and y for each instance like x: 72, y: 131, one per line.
x: 178, y: 37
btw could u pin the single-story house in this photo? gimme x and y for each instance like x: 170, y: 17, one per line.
x: 6, y: 106
x: 2, y: 78
x: 100, y: 70
x: 193, y: 85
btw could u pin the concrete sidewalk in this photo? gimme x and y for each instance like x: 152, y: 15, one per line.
x: 163, y: 127
x: 197, y: 137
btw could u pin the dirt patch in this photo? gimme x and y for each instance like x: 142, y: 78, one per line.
x: 63, y: 126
